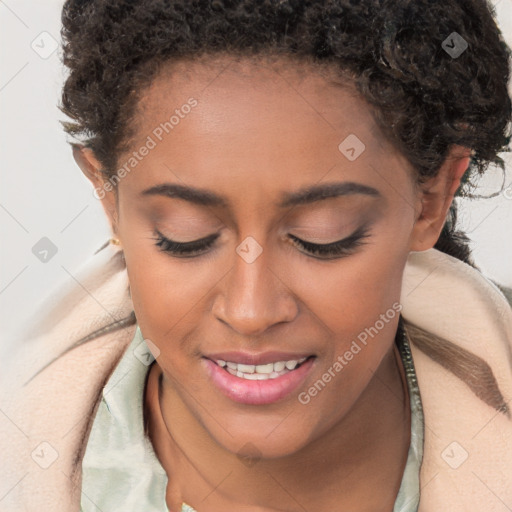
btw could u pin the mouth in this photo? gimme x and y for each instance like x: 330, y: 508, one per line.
x: 258, y: 384
x: 261, y: 371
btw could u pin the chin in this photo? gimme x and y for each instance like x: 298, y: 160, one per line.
x: 269, y: 443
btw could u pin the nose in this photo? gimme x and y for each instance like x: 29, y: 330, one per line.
x: 254, y: 297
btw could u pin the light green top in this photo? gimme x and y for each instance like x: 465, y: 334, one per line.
x: 120, y: 470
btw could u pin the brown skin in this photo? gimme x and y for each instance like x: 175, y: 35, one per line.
x: 260, y: 130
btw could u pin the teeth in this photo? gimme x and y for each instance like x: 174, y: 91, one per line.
x: 279, y: 366
x: 260, y: 371
x: 256, y: 376
x: 265, y: 368
x: 246, y: 368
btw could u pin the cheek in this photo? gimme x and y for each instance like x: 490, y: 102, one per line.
x: 169, y: 294
x: 166, y: 303
x: 357, y: 301
x: 351, y: 293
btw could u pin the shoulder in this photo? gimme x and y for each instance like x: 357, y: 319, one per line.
x: 459, y: 325
x: 465, y: 317
x: 56, y: 376
x: 94, y: 296
x: 507, y: 291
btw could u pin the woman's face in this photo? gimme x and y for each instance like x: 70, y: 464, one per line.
x: 230, y: 153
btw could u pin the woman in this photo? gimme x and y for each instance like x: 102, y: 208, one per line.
x: 285, y: 317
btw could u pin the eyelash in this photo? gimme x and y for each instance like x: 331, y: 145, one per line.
x: 334, y: 249
x: 324, y: 251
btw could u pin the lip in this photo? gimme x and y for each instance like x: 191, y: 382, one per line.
x: 260, y: 358
x: 257, y: 392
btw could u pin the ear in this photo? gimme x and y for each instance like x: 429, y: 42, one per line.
x: 435, y: 197
x: 103, y: 189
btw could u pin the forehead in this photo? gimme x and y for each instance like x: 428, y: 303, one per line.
x: 271, y: 89
x: 277, y: 121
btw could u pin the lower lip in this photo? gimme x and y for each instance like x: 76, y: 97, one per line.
x: 257, y: 392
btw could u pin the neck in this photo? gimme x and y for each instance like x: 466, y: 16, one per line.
x: 366, y: 449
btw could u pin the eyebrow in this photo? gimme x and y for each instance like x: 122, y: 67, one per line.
x: 306, y: 195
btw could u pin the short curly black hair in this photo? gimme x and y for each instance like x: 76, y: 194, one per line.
x: 423, y: 97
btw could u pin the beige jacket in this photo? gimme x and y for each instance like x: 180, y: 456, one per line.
x: 467, y: 463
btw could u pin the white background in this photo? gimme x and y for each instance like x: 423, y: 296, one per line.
x: 43, y: 193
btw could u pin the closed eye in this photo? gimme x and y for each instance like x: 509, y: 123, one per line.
x: 324, y: 251
x: 334, y: 249
x: 184, y: 249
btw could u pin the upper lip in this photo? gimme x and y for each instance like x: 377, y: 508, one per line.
x: 259, y: 358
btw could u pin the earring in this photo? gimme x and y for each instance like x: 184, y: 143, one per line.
x: 115, y: 241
